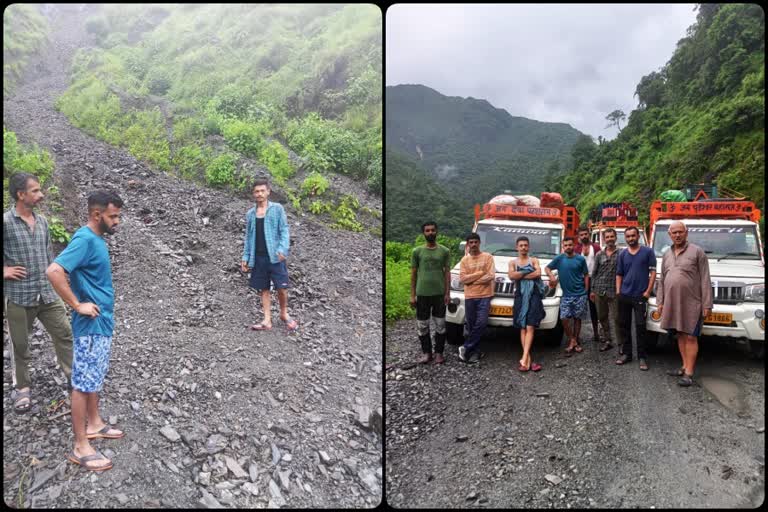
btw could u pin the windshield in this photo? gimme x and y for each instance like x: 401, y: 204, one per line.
x: 500, y: 240
x: 739, y: 242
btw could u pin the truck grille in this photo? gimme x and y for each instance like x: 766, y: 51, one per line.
x: 727, y: 294
x: 505, y: 289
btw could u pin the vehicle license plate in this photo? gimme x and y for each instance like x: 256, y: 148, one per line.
x: 719, y: 318
x: 501, y: 310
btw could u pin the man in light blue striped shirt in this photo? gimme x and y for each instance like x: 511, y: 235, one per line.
x: 266, y: 249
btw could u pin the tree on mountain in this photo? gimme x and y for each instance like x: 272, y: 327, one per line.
x: 616, y: 117
x: 583, y: 150
x: 650, y: 90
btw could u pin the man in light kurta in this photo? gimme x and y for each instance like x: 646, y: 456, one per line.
x: 684, y: 297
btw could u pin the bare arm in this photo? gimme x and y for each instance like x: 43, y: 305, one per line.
x: 536, y: 270
x: 619, y: 279
x: 514, y: 274
x: 650, y: 284
x: 57, y: 276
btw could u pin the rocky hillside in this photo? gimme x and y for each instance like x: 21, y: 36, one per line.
x: 215, y: 414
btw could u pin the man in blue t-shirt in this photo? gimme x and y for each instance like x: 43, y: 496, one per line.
x: 90, y: 294
x: 635, y: 275
x: 573, y: 273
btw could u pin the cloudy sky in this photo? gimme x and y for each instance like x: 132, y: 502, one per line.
x: 559, y: 63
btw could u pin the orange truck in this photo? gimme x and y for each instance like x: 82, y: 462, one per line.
x: 618, y: 216
x: 728, y: 231
x: 499, y: 226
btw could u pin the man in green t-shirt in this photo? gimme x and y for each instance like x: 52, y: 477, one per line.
x: 430, y: 291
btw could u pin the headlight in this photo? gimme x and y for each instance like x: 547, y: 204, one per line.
x: 456, y: 284
x: 754, y: 292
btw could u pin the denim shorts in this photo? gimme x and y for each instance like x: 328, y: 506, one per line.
x: 263, y: 271
x: 573, y: 306
x: 90, y: 362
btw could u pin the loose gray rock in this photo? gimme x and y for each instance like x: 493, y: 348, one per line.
x: 170, y: 434
x: 208, y: 501
x: 235, y: 468
x: 553, y: 479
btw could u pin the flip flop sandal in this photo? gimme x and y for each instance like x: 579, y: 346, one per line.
x: 522, y: 368
x: 578, y: 348
x: 261, y: 327
x: 535, y: 367
x: 102, y: 434
x: 22, y: 408
x: 644, y: 367
x: 81, y: 461
x: 292, y: 325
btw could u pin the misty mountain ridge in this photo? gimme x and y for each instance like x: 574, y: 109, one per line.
x: 468, y: 147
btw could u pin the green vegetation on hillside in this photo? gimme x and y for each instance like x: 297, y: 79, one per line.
x: 470, y: 147
x: 31, y: 159
x: 167, y: 81
x: 398, y: 273
x: 699, y: 119
x: 25, y: 31
x: 414, y: 197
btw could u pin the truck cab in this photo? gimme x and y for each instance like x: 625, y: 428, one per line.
x: 728, y: 233
x: 618, y: 216
x: 499, y: 228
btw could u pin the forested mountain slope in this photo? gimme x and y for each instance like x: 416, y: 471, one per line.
x: 471, y: 147
x: 700, y: 118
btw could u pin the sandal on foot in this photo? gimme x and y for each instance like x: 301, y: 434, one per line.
x: 291, y: 325
x: 81, y: 461
x: 261, y: 326
x: 606, y: 346
x: 522, y: 368
x: 535, y: 367
x: 21, y: 395
x: 676, y: 373
x: 643, y: 365
x: 685, y: 381
x: 624, y: 359
x: 578, y: 348
x: 102, y: 434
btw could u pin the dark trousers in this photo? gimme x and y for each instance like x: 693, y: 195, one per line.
x: 626, y: 306
x: 433, y: 306
x: 593, y: 315
x: 476, y: 318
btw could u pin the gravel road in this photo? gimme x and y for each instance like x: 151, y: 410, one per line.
x: 215, y: 415
x: 581, y: 433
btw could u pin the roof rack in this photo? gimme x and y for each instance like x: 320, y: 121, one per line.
x: 745, y: 210
x: 567, y: 215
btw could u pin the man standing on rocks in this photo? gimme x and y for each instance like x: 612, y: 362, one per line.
x: 573, y: 274
x: 604, y: 290
x: 684, y: 297
x: 91, y: 296
x: 430, y: 291
x: 635, y: 276
x: 477, y: 274
x: 265, y: 252
x: 590, y: 251
x: 28, y: 295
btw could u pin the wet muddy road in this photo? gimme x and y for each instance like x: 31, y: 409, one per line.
x: 583, y: 432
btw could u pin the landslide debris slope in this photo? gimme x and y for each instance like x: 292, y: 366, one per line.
x: 215, y: 414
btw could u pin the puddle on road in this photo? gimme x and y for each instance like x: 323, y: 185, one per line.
x: 726, y: 391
